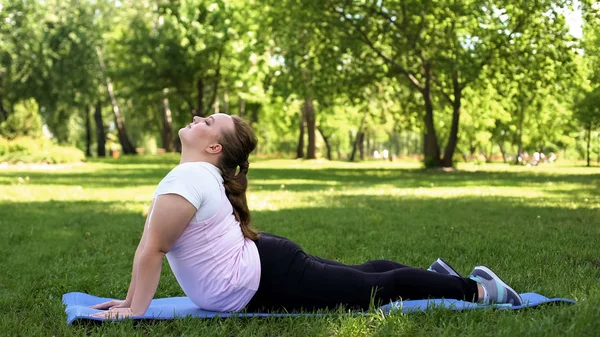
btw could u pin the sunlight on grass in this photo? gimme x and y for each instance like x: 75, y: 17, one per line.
x: 75, y: 228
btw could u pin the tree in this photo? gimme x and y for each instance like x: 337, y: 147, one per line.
x: 441, y: 48
x: 588, y: 113
x: 55, y: 62
x: 313, y: 62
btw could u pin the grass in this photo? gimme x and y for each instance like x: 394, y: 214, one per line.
x: 75, y: 228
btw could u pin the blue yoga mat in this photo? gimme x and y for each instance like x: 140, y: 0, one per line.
x: 174, y: 307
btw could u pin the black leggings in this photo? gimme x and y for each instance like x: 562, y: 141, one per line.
x: 294, y: 280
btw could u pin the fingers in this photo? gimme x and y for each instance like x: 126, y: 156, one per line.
x: 103, y: 306
x: 100, y: 306
x: 113, y: 314
x: 104, y: 314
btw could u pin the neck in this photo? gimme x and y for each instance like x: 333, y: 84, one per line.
x: 194, y: 156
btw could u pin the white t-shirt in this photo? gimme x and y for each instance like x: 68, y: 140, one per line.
x: 196, y: 182
x: 215, y: 265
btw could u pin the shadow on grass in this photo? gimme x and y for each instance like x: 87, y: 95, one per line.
x: 97, y: 179
x: 411, y: 178
x: 349, y: 227
x: 267, y: 179
x: 50, y: 248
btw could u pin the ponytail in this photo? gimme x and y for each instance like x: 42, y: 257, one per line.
x: 235, y: 189
x: 237, y: 146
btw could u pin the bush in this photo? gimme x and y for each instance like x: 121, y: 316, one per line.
x: 25, y: 121
x: 3, y: 146
x: 59, y: 155
x: 25, y: 145
x: 28, y: 150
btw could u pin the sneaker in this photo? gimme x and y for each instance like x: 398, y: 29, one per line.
x: 496, y: 290
x: 442, y: 267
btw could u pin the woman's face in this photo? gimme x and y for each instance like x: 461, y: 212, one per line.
x: 204, y: 133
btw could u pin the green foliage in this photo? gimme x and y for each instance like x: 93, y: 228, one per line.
x: 513, y: 70
x: 149, y: 143
x: 3, y: 146
x: 37, y: 150
x: 25, y: 121
x: 27, y: 145
x: 588, y: 109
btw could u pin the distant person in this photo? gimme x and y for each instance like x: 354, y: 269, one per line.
x: 200, y: 220
x: 523, y: 158
x: 536, y: 158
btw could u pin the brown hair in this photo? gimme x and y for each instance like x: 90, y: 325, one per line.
x: 237, y: 145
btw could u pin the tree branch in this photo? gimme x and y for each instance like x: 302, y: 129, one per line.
x: 382, y: 14
x: 488, y: 58
x: 400, y: 68
x: 217, y: 77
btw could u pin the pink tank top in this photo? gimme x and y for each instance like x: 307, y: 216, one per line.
x: 215, y: 265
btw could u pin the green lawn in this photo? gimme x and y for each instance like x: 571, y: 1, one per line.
x: 75, y: 228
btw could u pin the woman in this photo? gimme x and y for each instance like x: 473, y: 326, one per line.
x: 200, y: 220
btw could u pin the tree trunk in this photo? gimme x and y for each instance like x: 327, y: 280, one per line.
x: 488, y: 155
x: 418, y: 146
x: 589, y: 140
x: 100, y: 133
x: 214, y: 102
x: 88, y: 133
x: 520, y: 133
x: 128, y: 147
x: 242, y: 107
x: 253, y: 109
x: 431, y: 148
x: 300, y: 148
x: 463, y: 154
x: 326, y: 141
x: 396, y: 143
x: 355, y: 145
x: 472, y: 148
x: 199, y: 111
x: 502, y: 151
x: 358, y: 135
x: 3, y: 112
x: 309, y: 115
x: 453, y: 137
x: 598, y: 141
x: 361, y: 145
x: 225, y: 101
x: 167, y: 134
x: 352, y: 143
x: 311, y: 129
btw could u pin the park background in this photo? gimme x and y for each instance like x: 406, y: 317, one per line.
x: 387, y: 129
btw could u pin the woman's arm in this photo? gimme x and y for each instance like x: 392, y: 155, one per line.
x: 138, y: 251
x: 169, y: 218
x: 127, y: 302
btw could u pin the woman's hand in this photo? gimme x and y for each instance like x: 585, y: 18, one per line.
x: 114, y: 313
x: 112, y: 304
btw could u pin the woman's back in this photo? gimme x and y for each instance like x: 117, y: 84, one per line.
x: 215, y: 265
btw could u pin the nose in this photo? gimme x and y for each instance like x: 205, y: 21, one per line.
x: 197, y: 119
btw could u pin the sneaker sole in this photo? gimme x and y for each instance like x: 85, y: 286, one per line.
x: 493, y: 275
